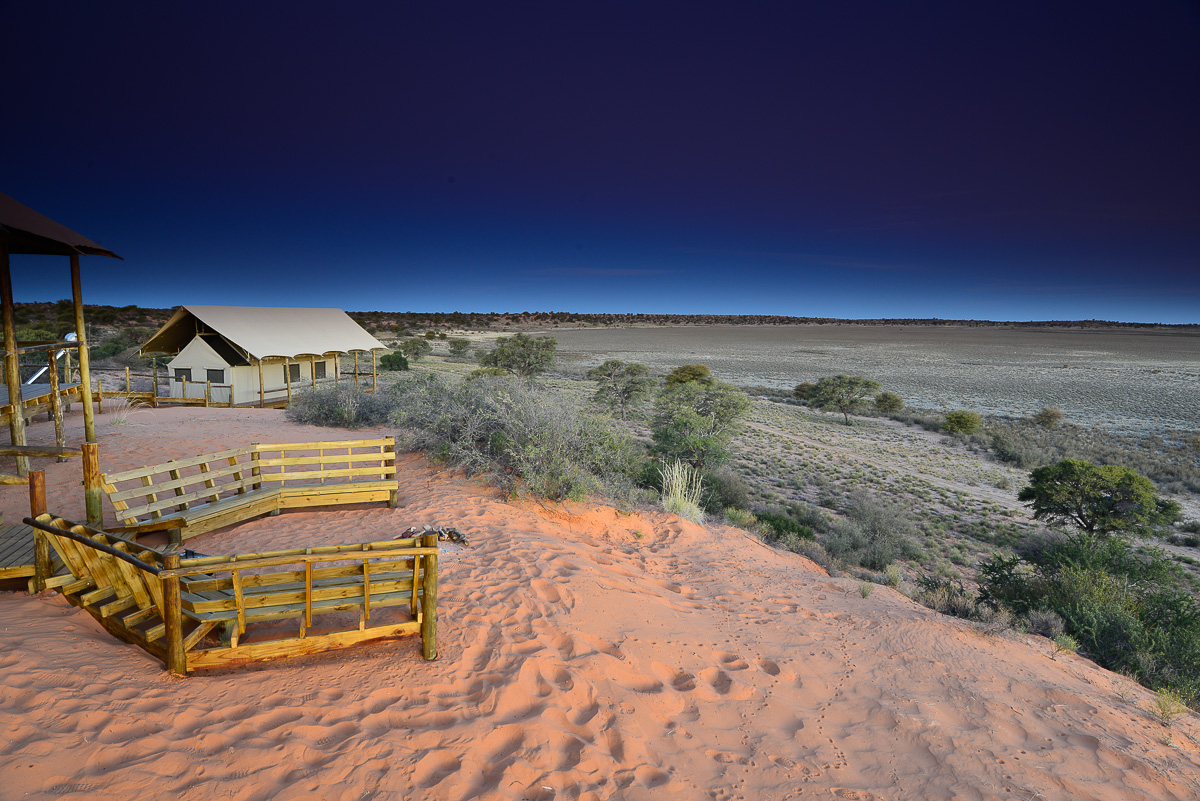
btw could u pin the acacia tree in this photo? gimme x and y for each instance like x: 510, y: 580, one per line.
x: 687, y: 373
x: 1099, y: 499
x: 694, y: 421
x: 622, y: 385
x: 415, y: 348
x: 524, y: 355
x: 839, y: 392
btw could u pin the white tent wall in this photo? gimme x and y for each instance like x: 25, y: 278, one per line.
x: 245, y: 378
x: 198, y: 358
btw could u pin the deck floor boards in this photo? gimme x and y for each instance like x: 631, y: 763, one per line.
x: 16, y: 551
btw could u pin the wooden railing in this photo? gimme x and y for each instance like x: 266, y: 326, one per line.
x: 175, y: 605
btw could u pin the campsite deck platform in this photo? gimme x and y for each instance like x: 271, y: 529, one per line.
x: 16, y: 551
x: 35, y: 398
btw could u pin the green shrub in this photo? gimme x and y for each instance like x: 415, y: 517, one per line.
x: 888, y: 402
x: 783, y: 524
x: 1048, y: 417
x: 740, y: 518
x: 393, y: 362
x: 687, y: 374
x: 415, y: 349
x: 459, y: 347
x: 725, y: 490
x: 873, y: 534
x: 961, y: 422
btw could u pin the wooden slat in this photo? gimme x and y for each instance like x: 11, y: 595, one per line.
x: 345, y: 443
x: 155, y: 507
x: 322, y: 458
x: 194, y: 569
x: 298, y: 646
x: 184, y: 481
x: 177, y: 464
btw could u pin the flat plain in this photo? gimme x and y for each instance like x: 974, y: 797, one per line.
x: 1127, y: 380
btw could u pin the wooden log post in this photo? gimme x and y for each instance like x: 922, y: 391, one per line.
x: 429, y: 601
x: 85, y: 373
x: 12, y: 365
x: 126, y: 380
x: 374, y: 374
x: 312, y: 370
x: 93, y: 489
x: 56, y: 410
x: 41, y: 545
x: 287, y: 376
x: 99, y: 402
x: 261, y: 387
x: 172, y: 613
x: 154, y: 394
x: 356, y: 386
x: 207, y: 393
x: 337, y: 368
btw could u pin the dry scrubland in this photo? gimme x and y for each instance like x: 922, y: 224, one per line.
x: 1135, y: 381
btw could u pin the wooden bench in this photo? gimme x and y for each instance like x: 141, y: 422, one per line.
x: 215, y: 611
x: 213, y: 490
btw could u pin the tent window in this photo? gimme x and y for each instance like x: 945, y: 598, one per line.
x: 320, y: 369
x: 216, y: 376
x: 183, y: 374
x: 293, y: 372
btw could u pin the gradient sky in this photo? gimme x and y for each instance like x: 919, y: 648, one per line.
x: 1007, y: 160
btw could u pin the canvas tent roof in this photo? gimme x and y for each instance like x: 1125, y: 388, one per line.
x: 265, y: 331
x: 27, y: 231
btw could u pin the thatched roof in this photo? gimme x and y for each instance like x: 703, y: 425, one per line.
x: 262, y: 332
x: 27, y: 231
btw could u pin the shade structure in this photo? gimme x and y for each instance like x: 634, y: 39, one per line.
x: 27, y: 231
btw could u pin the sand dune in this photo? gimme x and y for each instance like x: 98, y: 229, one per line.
x: 585, y: 654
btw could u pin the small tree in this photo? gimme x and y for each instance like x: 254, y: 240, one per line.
x: 622, y: 385
x: 524, y: 355
x: 688, y: 373
x: 841, y: 392
x: 961, y: 422
x: 694, y: 421
x: 459, y: 347
x: 888, y: 402
x: 415, y: 348
x: 1099, y: 499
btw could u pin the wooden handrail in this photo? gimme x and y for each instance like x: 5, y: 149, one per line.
x: 91, y: 543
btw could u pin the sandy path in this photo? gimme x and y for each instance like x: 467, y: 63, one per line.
x: 584, y: 655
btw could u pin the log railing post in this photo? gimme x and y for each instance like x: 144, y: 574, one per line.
x: 154, y: 394
x: 12, y: 365
x: 127, y: 381
x: 172, y: 613
x: 99, y: 403
x: 93, y: 492
x: 41, y: 546
x: 429, y: 600
x: 56, y: 410
x: 207, y: 394
x: 261, y: 386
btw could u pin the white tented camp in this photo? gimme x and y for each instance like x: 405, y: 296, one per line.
x: 251, y: 355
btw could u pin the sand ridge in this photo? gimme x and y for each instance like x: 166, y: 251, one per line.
x: 585, y: 654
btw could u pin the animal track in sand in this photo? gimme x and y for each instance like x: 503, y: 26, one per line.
x: 768, y: 666
x: 730, y: 661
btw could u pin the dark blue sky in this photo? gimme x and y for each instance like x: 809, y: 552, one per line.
x: 1015, y: 160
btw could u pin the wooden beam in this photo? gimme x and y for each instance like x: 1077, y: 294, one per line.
x: 173, y: 617
x: 356, y: 370
x: 93, y: 484
x: 38, y: 450
x: 56, y: 412
x: 429, y: 600
x: 12, y: 369
x: 41, y: 545
x: 312, y: 370
x: 287, y: 376
x: 85, y: 373
x: 261, y: 390
x: 374, y: 374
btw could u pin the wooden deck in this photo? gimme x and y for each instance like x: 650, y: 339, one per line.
x: 16, y: 551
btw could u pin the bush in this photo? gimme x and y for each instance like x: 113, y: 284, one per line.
x: 694, y: 421
x: 725, y: 490
x: 526, y: 356
x: 888, y: 402
x: 393, y: 362
x: 1048, y: 417
x: 961, y: 422
x: 1127, y: 608
x: 740, y: 518
x: 340, y: 405
x: 783, y: 524
x: 873, y: 534
x: 459, y: 347
x: 527, y: 441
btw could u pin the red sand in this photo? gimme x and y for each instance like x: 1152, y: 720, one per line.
x: 585, y: 654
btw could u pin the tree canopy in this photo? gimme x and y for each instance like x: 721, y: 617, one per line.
x: 1099, y: 499
x: 521, y: 354
x: 688, y: 373
x: 839, y: 392
x: 621, y: 385
x: 694, y: 421
x: 415, y: 348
